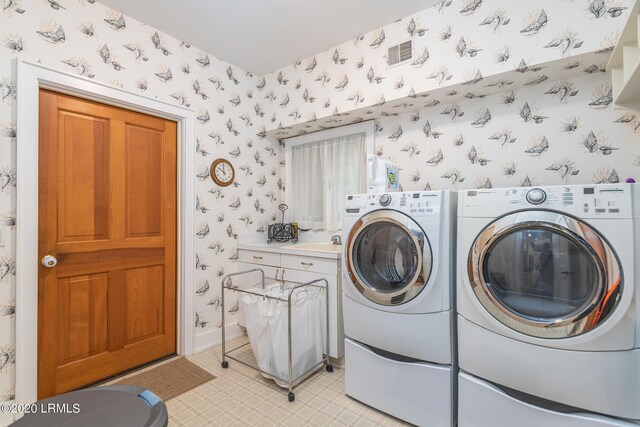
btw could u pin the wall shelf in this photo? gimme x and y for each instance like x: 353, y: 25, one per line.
x: 544, y: 73
x: 624, y: 63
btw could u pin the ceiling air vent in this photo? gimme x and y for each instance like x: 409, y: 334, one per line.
x: 400, y: 53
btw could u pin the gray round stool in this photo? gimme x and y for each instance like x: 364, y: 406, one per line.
x: 109, y: 406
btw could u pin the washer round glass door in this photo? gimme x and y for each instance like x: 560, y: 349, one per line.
x: 545, y: 274
x: 388, y: 257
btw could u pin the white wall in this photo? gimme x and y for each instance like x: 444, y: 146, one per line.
x: 217, y: 248
x: 434, y: 159
x: 508, y: 151
x: 414, y: 150
x: 459, y: 44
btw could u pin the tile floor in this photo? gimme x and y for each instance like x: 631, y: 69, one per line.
x: 240, y: 396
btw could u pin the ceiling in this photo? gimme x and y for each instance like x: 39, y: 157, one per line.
x: 261, y: 36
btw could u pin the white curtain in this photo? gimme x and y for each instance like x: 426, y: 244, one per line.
x: 323, y: 173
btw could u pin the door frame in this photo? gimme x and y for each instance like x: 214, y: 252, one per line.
x: 31, y: 78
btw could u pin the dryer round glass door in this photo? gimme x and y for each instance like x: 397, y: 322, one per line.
x: 388, y: 257
x: 545, y: 274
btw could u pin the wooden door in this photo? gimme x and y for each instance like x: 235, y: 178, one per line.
x: 107, y: 212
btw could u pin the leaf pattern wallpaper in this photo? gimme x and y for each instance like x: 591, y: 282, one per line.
x: 498, y: 93
x: 86, y: 38
x: 462, y: 49
x: 523, y: 137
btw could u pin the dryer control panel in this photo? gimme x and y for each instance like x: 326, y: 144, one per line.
x: 585, y: 201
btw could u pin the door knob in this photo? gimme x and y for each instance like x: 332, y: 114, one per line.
x: 49, y: 261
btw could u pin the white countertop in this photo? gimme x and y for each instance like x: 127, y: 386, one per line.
x: 293, y: 249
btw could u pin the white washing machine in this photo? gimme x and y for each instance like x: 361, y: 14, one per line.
x: 548, y: 313
x: 397, y: 302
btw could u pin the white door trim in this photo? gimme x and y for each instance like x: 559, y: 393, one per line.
x: 32, y: 77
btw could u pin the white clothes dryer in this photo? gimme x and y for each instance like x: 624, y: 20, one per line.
x: 398, y: 304
x: 547, y: 298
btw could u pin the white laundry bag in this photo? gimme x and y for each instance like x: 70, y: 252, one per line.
x: 256, y: 318
x: 307, y: 335
x: 258, y: 290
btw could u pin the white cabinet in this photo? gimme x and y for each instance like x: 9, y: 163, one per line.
x: 268, y: 262
x: 302, y: 268
x: 624, y: 64
x: 259, y: 257
x: 307, y: 263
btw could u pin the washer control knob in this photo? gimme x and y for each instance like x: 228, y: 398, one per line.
x: 385, y: 200
x: 536, y: 196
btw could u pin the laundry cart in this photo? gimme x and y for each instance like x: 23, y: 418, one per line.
x: 109, y: 406
x: 287, y: 326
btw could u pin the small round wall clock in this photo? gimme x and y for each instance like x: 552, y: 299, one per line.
x: 222, y: 172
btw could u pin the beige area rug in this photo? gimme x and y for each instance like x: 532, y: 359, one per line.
x: 170, y: 379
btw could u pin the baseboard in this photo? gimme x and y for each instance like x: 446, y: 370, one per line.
x: 337, y: 363
x: 213, y: 338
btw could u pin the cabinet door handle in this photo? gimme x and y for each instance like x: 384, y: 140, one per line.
x: 257, y: 257
x: 306, y: 263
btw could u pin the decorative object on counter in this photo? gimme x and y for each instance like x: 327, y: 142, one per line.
x: 222, y: 172
x: 336, y: 239
x: 281, y: 232
x: 630, y: 180
x: 383, y: 175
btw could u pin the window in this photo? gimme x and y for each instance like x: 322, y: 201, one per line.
x: 321, y: 169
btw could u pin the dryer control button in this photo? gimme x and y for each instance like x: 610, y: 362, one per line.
x: 536, y: 196
x: 385, y: 200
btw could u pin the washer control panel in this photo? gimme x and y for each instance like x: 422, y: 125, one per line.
x: 411, y: 202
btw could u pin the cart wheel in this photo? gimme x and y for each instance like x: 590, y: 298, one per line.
x: 225, y: 364
x: 291, y: 396
x: 329, y: 368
